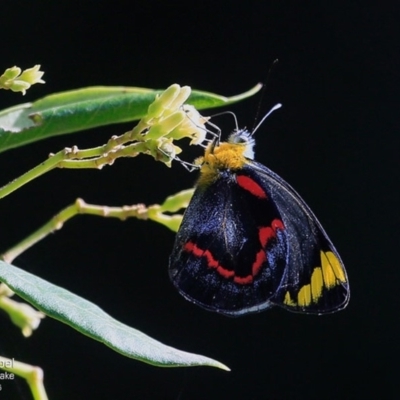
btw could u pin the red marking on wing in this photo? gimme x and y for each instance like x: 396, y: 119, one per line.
x: 191, y: 247
x: 251, y: 186
x: 226, y: 273
x: 261, y: 257
x: 265, y: 234
x: 211, y: 261
x: 245, y: 280
x: 277, y: 224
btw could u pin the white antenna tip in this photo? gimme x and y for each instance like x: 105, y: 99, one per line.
x: 276, y: 106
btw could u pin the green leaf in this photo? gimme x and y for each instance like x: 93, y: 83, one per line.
x: 92, y: 321
x: 86, y: 108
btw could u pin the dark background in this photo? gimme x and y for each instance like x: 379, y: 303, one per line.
x: 335, y: 140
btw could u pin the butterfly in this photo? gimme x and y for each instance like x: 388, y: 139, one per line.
x: 248, y: 241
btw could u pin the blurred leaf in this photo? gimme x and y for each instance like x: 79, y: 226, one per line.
x: 92, y: 321
x: 80, y: 109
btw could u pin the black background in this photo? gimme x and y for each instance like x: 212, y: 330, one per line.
x: 335, y: 140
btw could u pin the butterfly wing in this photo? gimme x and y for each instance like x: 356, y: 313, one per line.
x: 230, y: 252
x: 248, y: 241
x: 314, y: 280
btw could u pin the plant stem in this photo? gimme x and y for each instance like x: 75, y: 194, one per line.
x: 131, y: 150
x: 56, y: 223
x: 155, y: 213
x: 39, y: 170
x: 33, y: 376
x: 75, y: 158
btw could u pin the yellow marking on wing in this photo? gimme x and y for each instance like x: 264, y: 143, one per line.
x: 304, y: 296
x: 288, y: 300
x: 325, y: 276
x: 327, y: 271
x: 316, y: 284
x: 336, y: 266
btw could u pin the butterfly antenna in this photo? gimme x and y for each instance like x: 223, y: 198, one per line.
x: 263, y: 91
x: 275, y: 107
x: 223, y: 113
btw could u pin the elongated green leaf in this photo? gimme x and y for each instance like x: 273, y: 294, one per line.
x: 87, y: 108
x: 92, y: 321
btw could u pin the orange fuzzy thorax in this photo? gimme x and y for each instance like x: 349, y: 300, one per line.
x: 225, y: 156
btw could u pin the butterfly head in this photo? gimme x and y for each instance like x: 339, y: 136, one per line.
x: 230, y: 155
x: 244, y: 139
